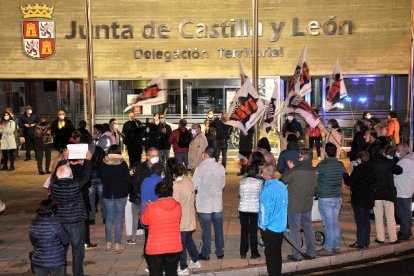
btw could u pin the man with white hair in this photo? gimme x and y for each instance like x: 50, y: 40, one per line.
x: 67, y: 193
x: 405, y: 189
x: 197, y: 146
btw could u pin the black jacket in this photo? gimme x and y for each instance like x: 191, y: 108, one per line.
x: 61, y: 136
x: 28, y: 120
x: 115, y: 178
x: 358, y: 144
x: 132, y: 131
x: 383, y: 171
x: 141, y: 172
x: 223, y: 131
x: 163, y: 143
x: 362, y: 186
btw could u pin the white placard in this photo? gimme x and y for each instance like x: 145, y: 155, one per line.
x: 77, y: 151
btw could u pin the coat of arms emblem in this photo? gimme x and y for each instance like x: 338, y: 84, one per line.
x: 38, y: 31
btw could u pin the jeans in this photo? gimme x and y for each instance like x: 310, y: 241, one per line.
x: 29, y: 143
x: 96, y: 188
x: 134, y: 210
x: 205, y: 221
x: 182, y: 157
x: 329, y: 209
x: 188, y: 245
x: 404, y: 214
x: 163, y: 262
x: 248, y: 223
x: 273, y: 252
x: 363, y: 225
x: 298, y: 221
x: 221, y: 147
x: 47, y: 152
x: 53, y: 271
x: 380, y: 207
x: 317, y: 142
x: 76, y: 233
x: 164, y: 155
x: 115, y: 209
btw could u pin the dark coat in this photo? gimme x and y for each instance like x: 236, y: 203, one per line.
x: 49, y: 239
x: 67, y: 194
x: 142, y: 171
x: 293, y: 127
x: 163, y: 143
x: 61, y: 136
x: 358, y: 144
x: 27, y: 131
x: 362, y: 186
x: 132, y: 131
x: 115, y: 178
x: 223, y: 131
x: 383, y: 171
x: 290, y: 153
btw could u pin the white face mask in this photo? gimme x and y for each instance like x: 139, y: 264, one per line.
x: 193, y: 132
x: 115, y: 126
x: 154, y: 159
x: 29, y: 111
x: 290, y: 118
x: 389, y: 157
x: 6, y: 118
x: 178, y: 178
x: 398, y: 154
x: 210, y: 116
x: 61, y: 117
x: 369, y: 116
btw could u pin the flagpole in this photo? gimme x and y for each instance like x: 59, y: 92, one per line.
x: 255, y: 9
x: 89, y: 53
x: 410, y: 100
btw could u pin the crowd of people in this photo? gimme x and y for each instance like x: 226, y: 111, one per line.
x: 165, y: 201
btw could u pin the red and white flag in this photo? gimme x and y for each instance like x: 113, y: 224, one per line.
x: 246, y: 108
x: 152, y: 95
x: 300, y: 85
x: 273, y: 108
x: 336, y: 89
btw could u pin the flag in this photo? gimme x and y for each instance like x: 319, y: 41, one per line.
x: 336, y: 89
x: 152, y: 95
x: 272, y: 109
x: 246, y: 108
x: 300, y: 85
x: 243, y: 75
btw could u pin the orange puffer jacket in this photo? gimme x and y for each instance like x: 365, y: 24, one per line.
x: 163, y: 220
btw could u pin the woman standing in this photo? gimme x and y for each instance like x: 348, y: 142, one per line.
x: 116, y: 186
x: 334, y: 135
x: 164, y: 241
x: 249, y: 192
x: 183, y: 192
x: 8, y: 141
x: 43, y: 145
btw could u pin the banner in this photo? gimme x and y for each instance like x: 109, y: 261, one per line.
x: 273, y: 108
x: 246, y: 108
x: 154, y: 94
x: 336, y: 89
x: 301, y: 83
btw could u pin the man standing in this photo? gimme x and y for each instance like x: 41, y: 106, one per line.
x: 132, y: 131
x: 222, y: 137
x: 163, y: 145
x: 405, y: 190
x: 28, y: 123
x: 180, y: 140
x: 272, y: 220
x: 197, y: 146
x: 210, y: 130
x: 301, y: 183
x: 291, y: 153
x: 61, y: 129
x: 329, y: 192
x: 209, y: 180
x: 67, y: 193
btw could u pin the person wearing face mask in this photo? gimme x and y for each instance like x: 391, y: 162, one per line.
x: 61, y: 129
x: 393, y: 129
x: 154, y: 132
x: 197, y: 146
x: 210, y: 131
x: 28, y: 123
x: 292, y: 126
x: 8, y: 142
x: 148, y: 189
x: 132, y: 131
x: 367, y: 117
x: 405, y: 190
x: 139, y: 173
x: 222, y: 137
x: 116, y: 133
x: 163, y: 146
x: 43, y: 144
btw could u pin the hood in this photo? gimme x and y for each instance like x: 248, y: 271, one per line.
x: 113, y: 159
x: 107, y: 133
x: 167, y: 203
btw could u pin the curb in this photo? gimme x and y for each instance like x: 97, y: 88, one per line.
x: 350, y: 256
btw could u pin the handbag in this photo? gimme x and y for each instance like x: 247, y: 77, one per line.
x: 47, y: 139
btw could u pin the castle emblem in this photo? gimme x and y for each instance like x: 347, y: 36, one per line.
x: 38, y: 31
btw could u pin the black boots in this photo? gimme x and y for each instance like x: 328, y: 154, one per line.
x: 11, y: 163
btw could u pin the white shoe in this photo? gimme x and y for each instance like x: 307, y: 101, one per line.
x: 183, y: 272
x: 2, y: 206
x: 194, y: 265
x: 146, y: 270
x: 140, y: 232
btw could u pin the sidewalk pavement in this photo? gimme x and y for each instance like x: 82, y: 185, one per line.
x: 22, y: 191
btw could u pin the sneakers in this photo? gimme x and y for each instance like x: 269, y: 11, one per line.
x: 183, y: 272
x: 324, y: 252
x: 337, y: 250
x: 255, y: 256
x: 194, y: 265
x: 131, y: 242
x: 292, y: 258
x: 90, y: 246
x: 203, y: 258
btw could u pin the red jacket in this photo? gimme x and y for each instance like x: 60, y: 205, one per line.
x: 175, y: 136
x: 314, y: 132
x: 163, y: 220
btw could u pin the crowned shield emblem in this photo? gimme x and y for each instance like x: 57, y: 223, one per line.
x: 38, y: 31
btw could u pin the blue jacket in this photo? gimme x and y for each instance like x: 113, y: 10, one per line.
x: 273, y: 206
x: 148, y: 190
x: 49, y: 239
x: 290, y: 153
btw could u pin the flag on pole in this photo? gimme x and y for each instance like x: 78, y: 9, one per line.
x: 243, y: 75
x: 152, y: 95
x: 246, y: 108
x: 300, y: 85
x: 336, y: 89
x: 273, y: 108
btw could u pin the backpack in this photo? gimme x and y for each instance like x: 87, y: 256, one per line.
x: 184, y: 139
